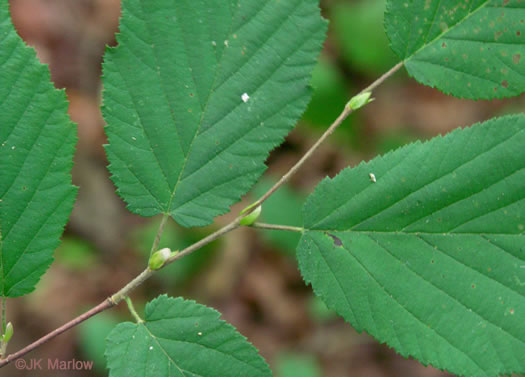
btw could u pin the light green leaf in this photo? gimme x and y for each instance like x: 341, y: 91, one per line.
x: 37, y: 143
x: 196, y: 95
x: 430, y: 258
x: 467, y: 48
x: 181, y: 338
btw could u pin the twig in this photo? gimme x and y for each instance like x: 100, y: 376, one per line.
x: 212, y: 237
x: 124, y: 292
x: 144, y: 275
x: 106, y: 304
x: 340, y: 119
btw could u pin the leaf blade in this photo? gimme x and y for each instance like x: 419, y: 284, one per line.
x: 430, y: 265
x: 36, y: 149
x: 206, y: 123
x: 468, y: 49
x: 181, y: 338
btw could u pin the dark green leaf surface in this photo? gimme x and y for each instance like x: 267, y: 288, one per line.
x: 467, y: 48
x: 181, y: 338
x: 36, y: 153
x: 196, y: 95
x: 430, y: 259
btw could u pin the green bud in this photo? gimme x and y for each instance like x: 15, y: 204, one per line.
x: 9, y: 331
x: 252, y: 217
x: 359, y: 101
x: 158, y: 259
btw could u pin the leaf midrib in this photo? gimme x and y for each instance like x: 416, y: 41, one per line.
x: 415, y: 272
x: 428, y: 43
x: 160, y: 346
x: 495, y: 325
x: 394, y: 298
x: 156, y: 338
x: 414, y: 233
x: 203, y: 112
x: 430, y: 244
x: 464, y: 163
x: 213, y: 88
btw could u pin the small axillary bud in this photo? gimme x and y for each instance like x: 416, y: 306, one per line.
x: 9, y: 331
x: 252, y: 217
x: 359, y: 101
x: 158, y: 258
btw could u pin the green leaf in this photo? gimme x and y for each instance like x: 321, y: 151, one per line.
x: 430, y: 259
x: 196, y: 95
x: 181, y: 338
x: 470, y: 49
x: 37, y: 143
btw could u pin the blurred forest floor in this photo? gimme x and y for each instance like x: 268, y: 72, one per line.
x: 251, y: 277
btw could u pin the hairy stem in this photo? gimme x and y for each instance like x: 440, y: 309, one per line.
x: 278, y: 227
x: 124, y: 292
x: 3, y: 345
x: 146, y: 274
x: 212, y: 237
x: 156, y: 242
x: 4, y: 315
x: 133, y: 311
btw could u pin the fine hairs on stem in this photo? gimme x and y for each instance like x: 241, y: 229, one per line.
x: 147, y: 273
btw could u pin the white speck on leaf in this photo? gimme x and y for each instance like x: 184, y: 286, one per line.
x: 226, y: 43
x: 150, y: 348
x: 133, y: 138
x: 245, y: 97
x: 199, y: 333
x: 13, y: 147
x: 214, y: 43
x: 372, y: 177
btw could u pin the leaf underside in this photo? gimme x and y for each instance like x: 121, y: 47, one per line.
x: 430, y: 258
x: 196, y: 95
x: 37, y: 143
x: 181, y: 338
x: 467, y: 48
